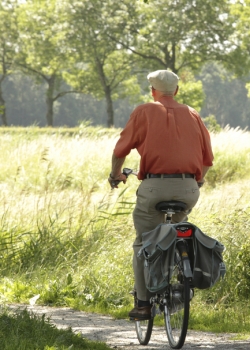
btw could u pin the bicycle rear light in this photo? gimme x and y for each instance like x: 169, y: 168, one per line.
x: 184, y: 231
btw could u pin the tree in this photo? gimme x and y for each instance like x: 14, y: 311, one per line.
x: 8, y: 46
x: 24, y: 102
x: 238, y: 56
x: 43, y: 50
x: 190, y: 91
x: 102, y: 68
x: 226, y: 96
x: 238, y: 60
x: 178, y: 34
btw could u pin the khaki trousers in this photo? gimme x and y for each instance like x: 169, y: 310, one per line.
x: 146, y: 217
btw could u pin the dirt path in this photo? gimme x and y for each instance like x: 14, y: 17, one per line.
x: 120, y: 334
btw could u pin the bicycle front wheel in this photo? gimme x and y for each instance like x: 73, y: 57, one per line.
x: 144, y: 330
x: 176, y: 310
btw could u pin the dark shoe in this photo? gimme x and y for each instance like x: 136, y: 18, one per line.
x: 141, y: 313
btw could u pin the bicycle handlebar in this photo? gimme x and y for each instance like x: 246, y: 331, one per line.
x: 126, y: 172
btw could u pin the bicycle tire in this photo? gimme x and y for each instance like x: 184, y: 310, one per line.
x: 176, y: 310
x: 144, y: 330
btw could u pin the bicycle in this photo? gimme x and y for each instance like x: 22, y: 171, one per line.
x: 173, y: 301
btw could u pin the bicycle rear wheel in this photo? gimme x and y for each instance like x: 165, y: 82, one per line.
x: 176, y: 310
x: 144, y: 330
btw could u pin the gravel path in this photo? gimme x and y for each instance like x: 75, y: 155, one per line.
x: 120, y: 334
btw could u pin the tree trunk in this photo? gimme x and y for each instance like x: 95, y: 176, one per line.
x: 110, y: 110
x: 49, y: 114
x: 107, y: 90
x: 50, y: 100
x: 2, y: 108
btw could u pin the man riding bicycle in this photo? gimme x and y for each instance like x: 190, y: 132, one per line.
x: 176, y: 154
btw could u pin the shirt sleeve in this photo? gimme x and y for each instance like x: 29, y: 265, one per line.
x: 207, y: 148
x: 128, y: 138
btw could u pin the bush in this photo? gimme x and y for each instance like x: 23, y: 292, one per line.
x: 212, y: 124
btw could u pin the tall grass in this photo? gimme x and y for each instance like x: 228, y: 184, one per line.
x: 26, y: 331
x: 232, y: 158
x: 67, y: 238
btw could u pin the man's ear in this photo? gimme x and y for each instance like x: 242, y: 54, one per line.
x: 177, y: 89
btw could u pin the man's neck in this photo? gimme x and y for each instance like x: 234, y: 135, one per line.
x: 158, y: 98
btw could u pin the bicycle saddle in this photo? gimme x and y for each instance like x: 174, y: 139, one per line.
x: 176, y: 206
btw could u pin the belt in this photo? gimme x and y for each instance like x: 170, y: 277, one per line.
x: 171, y: 176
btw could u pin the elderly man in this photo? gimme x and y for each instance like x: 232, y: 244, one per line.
x: 175, y: 150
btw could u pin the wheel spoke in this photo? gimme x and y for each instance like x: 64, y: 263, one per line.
x: 176, y: 310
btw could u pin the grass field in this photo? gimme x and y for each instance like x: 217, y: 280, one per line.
x: 66, y: 238
x: 26, y: 331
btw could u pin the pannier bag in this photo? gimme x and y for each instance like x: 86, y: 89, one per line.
x: 208, y: 261
x: 158, y: 249
x: 158, y: 253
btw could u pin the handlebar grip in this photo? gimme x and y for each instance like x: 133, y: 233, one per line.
x: 126, y: 172
x: 115, y: 183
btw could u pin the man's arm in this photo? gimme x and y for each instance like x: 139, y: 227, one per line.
x: 116, y: 166
x: 116, y: 170
x: 204, y: 171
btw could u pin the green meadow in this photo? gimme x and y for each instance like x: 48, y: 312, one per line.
x: 66, y: 237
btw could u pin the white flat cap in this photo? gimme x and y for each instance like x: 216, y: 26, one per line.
x: 163, y: 80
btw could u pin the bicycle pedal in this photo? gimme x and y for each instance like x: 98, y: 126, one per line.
x: 140, y: 319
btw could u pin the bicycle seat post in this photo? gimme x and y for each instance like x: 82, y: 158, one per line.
x: 169, y: 208
x: 168, y: 217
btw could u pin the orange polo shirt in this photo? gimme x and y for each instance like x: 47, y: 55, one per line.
x: 170, y: 138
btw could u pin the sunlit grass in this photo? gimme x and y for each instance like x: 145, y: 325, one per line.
x: 23, y: 330
x: 66, y: 236
x: 231, y: 149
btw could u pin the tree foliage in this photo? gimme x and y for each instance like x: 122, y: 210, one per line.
x: 8, y: 46
x: 226, y: 96
x: 105, y: 49
x: 239, y: 57
x: 178, y: 34
x: 43, y: 50
x: 238, y: 60
x: 102, y: 68
x: 190, y: 91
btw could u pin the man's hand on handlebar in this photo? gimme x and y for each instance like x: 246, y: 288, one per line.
x: 114, y: 181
